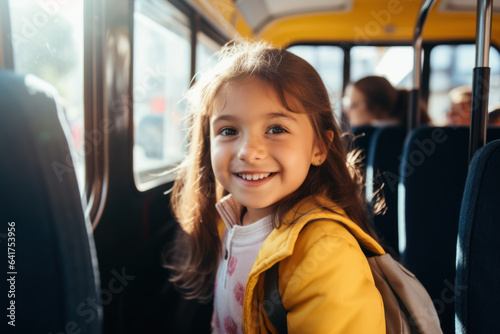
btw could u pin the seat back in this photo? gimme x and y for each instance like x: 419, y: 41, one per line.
x: 432, y: 180
x: 433, y: 172
x: 383, y: 160
x: 477, y: 287
x: 54, y: 270
x: 363, y: 135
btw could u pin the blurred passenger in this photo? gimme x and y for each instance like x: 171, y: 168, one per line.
x: 461, y: 104
x: 373, y: 100
x: 494, y: 117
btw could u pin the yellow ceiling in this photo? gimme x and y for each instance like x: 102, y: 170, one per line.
x: 367, y: 22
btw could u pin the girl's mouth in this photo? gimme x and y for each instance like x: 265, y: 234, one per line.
x: 254, y: 176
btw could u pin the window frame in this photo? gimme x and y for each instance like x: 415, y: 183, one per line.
x: 97, y: 161
x: 347, y: 47
x: 6, y: 49
x: 196, y: 24
x: 100, y: 23
x: 427, y: 47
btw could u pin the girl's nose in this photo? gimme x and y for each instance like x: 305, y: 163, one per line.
x: 251, y: 149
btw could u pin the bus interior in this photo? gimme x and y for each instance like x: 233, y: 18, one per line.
x: 93, y: 122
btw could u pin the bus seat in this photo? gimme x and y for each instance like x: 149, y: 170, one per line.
x: 383, y: 160
x: 477, y: 287
x: 432, y: 179
x: 362, y: 137
x: 53, y: 274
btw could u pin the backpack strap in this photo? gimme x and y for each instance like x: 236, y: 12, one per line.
x: 272, y: 300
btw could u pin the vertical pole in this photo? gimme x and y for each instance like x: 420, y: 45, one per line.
x: 414, y: 110
x: 195, y: 28
x: 346, y: 78
x: 481, y: 78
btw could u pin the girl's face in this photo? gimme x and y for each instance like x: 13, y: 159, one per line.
x: 260, y: 151
x: 356, y: 110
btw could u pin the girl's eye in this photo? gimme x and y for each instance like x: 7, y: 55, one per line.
x: 228, y: 132
x: 274, y: 130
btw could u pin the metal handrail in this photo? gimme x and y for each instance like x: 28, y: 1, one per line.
x: 481, y: 78
x: 414, y: 110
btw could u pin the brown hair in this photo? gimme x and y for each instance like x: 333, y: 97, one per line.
x: 196, y: 190
x: 386, y: 101
x: 494, y: 116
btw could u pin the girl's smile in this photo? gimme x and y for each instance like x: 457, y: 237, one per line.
x: 254, y: 179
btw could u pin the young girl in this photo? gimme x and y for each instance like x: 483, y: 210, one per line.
x: 266, y: 180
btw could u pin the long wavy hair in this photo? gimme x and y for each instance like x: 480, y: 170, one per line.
x: 196, y: 256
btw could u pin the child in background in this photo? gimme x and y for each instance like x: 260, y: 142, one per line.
x: 461, y: 104
x: 266, y: 163
x: 373, y: 100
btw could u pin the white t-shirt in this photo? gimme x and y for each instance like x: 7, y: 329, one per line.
x: 240, y: 246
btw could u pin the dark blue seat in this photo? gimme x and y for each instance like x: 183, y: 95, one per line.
x: 362, y: 137
x: 383, y: 160
x: 55, y: 274
x: 432, y: 179
x: 478, y: 248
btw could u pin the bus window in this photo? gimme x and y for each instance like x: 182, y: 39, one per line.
x: 328, y: 60
x: 451, y: 66
x: 206, y: 50
x: 393, y: 62
x: 47, y: 38
x: 162, y: 69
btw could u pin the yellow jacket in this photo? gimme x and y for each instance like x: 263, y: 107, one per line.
x: 325, y: 281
